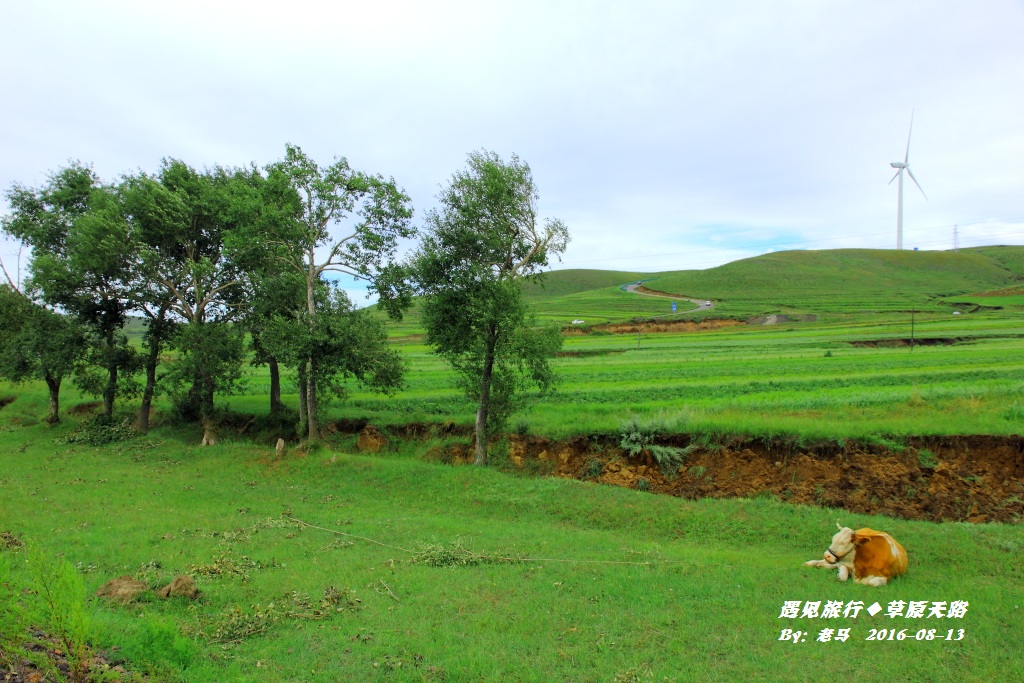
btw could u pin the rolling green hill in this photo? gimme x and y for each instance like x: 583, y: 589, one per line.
x: 848, y: 280
x: 830, y: 284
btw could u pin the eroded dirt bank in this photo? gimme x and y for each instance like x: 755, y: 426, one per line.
x: 969, y: 478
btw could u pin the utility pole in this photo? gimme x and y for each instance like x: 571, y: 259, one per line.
x: 956, y: 241
x: 912, y: 329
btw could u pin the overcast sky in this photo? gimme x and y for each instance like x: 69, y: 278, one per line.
x: 667, y: 135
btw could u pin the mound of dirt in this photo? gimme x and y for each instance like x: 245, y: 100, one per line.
x: 900, y: 342
x: 778, y: 318
x: 648, y: 327
x: 969, y: 478
x: 86, y: 408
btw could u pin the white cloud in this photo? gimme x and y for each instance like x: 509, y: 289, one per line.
x: 664, y: 133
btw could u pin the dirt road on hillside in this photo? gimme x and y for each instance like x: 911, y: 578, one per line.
x: 638, y: 288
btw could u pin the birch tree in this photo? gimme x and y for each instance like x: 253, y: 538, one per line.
x: 348, y: 222
x: 480, y: 245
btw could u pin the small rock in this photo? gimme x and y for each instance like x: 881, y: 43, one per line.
x: 280, y: 447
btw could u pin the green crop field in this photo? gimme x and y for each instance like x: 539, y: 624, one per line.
x: 418, y: 571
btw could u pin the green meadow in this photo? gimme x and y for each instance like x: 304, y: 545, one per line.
x: 322, y: 564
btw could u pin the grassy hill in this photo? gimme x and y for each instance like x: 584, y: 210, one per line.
x: 832, y: 283
x: 823, y: 282
x: 848, y: 280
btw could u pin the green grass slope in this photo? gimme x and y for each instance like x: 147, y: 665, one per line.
x: 613, y: 585
x: 844, y: 280
x: 831, y: 283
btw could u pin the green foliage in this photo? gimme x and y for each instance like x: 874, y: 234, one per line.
x: 591, y: 469
x: 98, y: 430
x: 60, y: 595
x: 453, y: 555
x: 345, y: 341
x: 1014, y: 412
x: 37, y: 344
x: 643, y: 484
x: 926, y: 459
x: 235, y: 625
x: 12, y: 616
x: 227, y: 565
x: 159, y: 641
x: 479, y: 246
x: 638, y: 437
x: 209, y: 360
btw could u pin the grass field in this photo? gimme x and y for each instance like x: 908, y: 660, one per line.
x: 545, y: 579
x: 607, y: 584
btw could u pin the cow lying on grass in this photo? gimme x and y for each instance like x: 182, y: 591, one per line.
x: 872, y: 557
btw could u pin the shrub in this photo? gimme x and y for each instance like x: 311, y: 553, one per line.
x: 98, y: 431
x: 1015, y: 413
x: 592, y: 469
x: 636, y: 437
x: 926, y: 459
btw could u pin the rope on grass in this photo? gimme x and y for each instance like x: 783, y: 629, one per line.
x: 342, y: 533
x: 510, y: 560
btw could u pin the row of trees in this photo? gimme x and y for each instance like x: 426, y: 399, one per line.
x: 208, y: 256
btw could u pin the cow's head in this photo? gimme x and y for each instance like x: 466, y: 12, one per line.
x: 843, y: 543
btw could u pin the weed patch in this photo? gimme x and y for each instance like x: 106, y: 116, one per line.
x: 10, y: 541
x: 637, y: 437
x: 454, y: 555
x: 235, y: 625
x: 98, y: 431
x: 926, y: 459
x: 224, y: 565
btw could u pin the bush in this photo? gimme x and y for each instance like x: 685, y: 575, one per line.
x: 98, y: 430
x: 926, y: 459
x: 638, y: 437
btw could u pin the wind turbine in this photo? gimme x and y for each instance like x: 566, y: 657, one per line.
x: 903, y: 166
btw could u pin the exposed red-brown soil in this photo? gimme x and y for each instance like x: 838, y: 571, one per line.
x: 648, y: 326
x: 970, y: 478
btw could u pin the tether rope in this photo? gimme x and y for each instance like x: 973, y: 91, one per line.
x: 500, y: 558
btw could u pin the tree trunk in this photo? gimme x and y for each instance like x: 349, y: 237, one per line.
x: 485, y: 398
x: 276, y: 405
x: 142, y: 421
x: 54, y: 386
x: 311, y: 416
x: 110, y: 391
x: 207, y: 411
x: 302, y: 397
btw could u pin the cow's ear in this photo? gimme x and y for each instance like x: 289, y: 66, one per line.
x: 859, y: 540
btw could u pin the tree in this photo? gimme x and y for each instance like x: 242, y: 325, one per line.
x: 80, y: 263
x: 347, y: 343
x: 37, y: 344
x: 366, y: 250
x: 180, y: 224
x: 481, y: 243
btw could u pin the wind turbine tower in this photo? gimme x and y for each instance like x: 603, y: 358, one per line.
x: 900, y: 167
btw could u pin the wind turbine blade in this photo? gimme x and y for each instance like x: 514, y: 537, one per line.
x: 915, y: 181
x: 906, y: 157
x: 896, y: 176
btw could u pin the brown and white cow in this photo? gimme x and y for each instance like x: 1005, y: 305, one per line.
x: 872, y: 557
